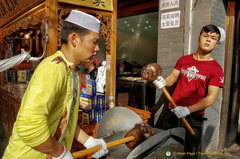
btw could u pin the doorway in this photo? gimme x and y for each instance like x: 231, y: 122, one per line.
x: 137, y: 38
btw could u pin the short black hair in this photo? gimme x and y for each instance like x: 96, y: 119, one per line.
x: 68, y: 28
x: 211, y: 28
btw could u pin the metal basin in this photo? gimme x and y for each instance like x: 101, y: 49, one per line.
x: 118, y: 121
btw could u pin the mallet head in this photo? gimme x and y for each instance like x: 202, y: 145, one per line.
x: 151, y: 71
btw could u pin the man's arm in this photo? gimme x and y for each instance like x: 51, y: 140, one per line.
x: 172, y: 77
x: 90, y: 142
x: 80, y: 135
x: 207, y: 101
x: 50, y: 147
x: 53, y: 148
x: 160, y: 82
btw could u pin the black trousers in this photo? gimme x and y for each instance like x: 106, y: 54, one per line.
x: 192, y: 142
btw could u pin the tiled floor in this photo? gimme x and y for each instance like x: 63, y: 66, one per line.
x: 232, y: 152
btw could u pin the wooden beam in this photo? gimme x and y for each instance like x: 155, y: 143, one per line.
x: 111, y: 72
x: 52, y: 18
x: 230, y: 25
x: 137, y: 9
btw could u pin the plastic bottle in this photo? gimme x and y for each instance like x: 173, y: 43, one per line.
x: 111, y: 101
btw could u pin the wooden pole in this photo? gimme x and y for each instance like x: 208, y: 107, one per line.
x: 97, y: 148
x: 185, y: 122
x: 52, y: 18
x: 111, y: 72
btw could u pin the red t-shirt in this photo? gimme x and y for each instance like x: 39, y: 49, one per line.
x: 194, y: 79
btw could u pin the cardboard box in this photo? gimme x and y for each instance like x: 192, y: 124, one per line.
x: 86, y: 101
x: 101, y: 103
x: 97, y: 114
x: 94, y: 88
x: 83, y: 80
x: 88, y: 86
x: 87, y: 117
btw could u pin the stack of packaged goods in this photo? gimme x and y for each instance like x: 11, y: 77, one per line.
x: 92, y: 104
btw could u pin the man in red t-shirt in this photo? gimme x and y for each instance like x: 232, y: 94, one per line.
x: 199, y: 79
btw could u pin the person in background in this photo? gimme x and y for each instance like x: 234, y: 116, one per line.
x: 199, y: 78
x: 91, y: 67
x: 46, y: 123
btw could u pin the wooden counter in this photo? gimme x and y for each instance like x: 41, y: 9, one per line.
x: 9, y: 109
x: 144, y: 114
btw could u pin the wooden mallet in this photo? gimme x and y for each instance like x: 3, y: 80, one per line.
x: 151, y: 72
x: 134, y: 137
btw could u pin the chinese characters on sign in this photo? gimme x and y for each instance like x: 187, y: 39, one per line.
x: 170, y: 19
x: 169, y: 4
x: 98, y: 4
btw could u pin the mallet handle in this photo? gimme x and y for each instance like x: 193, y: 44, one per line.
x: 97, y: 148
x: 185, y: 122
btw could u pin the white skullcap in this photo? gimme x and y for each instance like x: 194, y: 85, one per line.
x: 223, y: 35
x: 84, y: 20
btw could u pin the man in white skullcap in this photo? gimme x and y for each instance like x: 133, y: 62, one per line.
x: 47, y: 120
x: 199, y: 78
